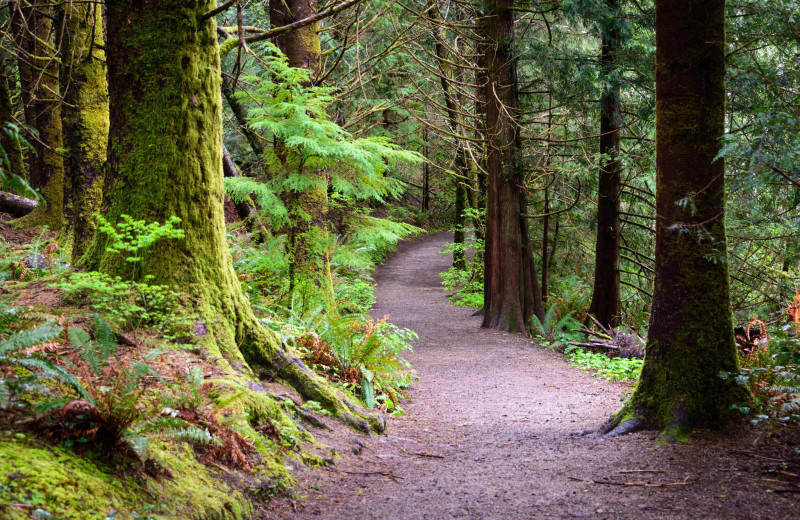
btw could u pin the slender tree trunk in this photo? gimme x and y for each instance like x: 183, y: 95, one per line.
x: 690, y: 340
x: 240, y: 114
x: 85, y: 119
x: 511, y: 287
x: 16, y: 160
x: 426, y: 190
x: 303, y: 50
x: 459, y: 259
x: 606, y: 305
x: 39, y: 70
x: 164, y: 159
x: 545, y: 241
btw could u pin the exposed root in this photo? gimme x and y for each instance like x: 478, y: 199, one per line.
x: 268, y: 358
x: 629, y: 425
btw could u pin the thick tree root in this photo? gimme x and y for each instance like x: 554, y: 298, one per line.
x: 266, y: 355
x: 629, y: 425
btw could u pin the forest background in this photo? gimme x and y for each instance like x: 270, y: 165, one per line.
x: 346, y: 127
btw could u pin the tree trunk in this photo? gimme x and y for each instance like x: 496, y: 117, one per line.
x: 309, y: 209
x: 690, y: 340
x: 426, y: 176
x: 39, y: 76
x: 606, y: 305
x: 164, y: 159
x: 511, y: 287
x: 85, y: 119
x: 16, y: 161
x: 240, y: 114
x: 459, y: 259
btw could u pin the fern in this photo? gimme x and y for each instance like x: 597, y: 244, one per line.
x: 13, y: 353
x: 95, y: 354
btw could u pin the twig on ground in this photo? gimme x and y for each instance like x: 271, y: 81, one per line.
x: 431, y: 455
x: 639, y: 484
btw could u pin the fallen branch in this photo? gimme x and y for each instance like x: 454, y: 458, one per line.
x: 638, y: 484
x: 382, y: 473
x: 431, y: 455
x: 15, y: 205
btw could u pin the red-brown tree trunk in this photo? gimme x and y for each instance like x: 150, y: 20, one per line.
x: 511, y: 287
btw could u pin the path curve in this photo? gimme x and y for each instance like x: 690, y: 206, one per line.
x: 490, y: 433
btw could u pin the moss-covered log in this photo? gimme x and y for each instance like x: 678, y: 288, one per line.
x: 165, y: 159
x: 690, y: 340
x: 85, y: 119
x: 33, y: 32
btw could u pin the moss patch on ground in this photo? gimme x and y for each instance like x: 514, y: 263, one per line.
x: 37, y: 476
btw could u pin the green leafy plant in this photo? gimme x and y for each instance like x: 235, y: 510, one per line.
x: 612, y: 369
x: 368, y: 356
x: 117, y: 410
x: 772, y: 373
x: 552, y: 328
x: 10, y: 181
x: 131, y: 302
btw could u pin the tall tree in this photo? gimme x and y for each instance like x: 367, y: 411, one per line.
x: 690, y: 339
x: 606, y: 304
x: 308, y: 208
x: 38, y: 65
x: 165, y: 159
x: 12, y: 148
x: 85, y: 118
x: 511, y: 287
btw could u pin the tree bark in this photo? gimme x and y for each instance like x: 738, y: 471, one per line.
x: 164, y: 159
x: 606, y: 305
x: 511, y: 287
x: 690, y: 339
x: 39, y: 76
x: 16, y: 160
x: 84, y: 119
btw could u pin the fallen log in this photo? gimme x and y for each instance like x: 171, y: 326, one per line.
x: 15, y: 205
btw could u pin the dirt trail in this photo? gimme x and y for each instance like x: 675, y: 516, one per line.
x: 491, y: 434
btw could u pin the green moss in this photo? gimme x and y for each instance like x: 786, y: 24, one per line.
x: 71, y: 487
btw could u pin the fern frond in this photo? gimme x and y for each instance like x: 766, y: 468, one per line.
x: 27, y: 338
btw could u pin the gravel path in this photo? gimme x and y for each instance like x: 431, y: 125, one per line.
x: 491, y: 433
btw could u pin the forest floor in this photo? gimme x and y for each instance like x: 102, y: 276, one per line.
x: 492, y: 431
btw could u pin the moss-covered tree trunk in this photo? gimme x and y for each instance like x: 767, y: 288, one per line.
x: 511, y: 287
x: 85, y: 119
x: 33, y: 30
x: 690, y: 339
x: 606, y: 305
x: 308, y: 208
x: 12, y: 148
x: 165, y: 159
